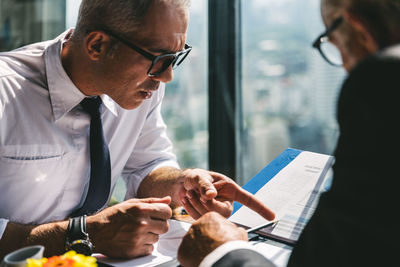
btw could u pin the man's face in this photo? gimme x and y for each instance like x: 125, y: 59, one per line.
x: 344, y: 38
x: 124, y: 77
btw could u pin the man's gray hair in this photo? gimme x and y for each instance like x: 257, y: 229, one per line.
x: 122, y: 16
x: 381, y: 16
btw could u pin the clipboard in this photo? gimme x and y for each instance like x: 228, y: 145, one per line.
x: 290, y: 169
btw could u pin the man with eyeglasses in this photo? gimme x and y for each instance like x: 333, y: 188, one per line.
x: 354, y: 223
x: 82, y: 110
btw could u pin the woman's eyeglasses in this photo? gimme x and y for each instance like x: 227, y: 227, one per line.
x: 328, y: 50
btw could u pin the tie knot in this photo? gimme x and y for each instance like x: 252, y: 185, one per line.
x: 92, y: 105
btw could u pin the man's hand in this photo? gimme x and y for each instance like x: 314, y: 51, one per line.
x: 199, y: 196
x: 205, y: 235
x: 229, y: 190
x: 205, y: 191
x: 130, y: 228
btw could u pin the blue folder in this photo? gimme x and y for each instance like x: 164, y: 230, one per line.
x: 266, y: 174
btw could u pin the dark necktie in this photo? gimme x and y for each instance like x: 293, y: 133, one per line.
x: 100, y: 169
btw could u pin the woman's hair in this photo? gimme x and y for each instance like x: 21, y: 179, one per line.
x: 382, y: 17
x: 122, y: 16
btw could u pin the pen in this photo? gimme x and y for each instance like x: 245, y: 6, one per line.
x: 250, y: 230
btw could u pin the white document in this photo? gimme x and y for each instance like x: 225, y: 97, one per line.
x: 289, y: 191
x: 164, y: 250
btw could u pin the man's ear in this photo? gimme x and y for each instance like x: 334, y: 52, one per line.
x: 363, y: 31
x: 97, y: 44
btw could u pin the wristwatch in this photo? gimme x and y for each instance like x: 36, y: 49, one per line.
x: 77, y: 238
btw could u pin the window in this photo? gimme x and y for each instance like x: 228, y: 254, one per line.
x: 27, y: 21
x: 288, y: 92
x: 288, y: 95
x: 185, y: 106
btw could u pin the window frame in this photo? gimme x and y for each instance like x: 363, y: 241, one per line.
x: 224, y: 90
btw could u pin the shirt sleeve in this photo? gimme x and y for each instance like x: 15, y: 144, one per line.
x: 224, y: 249
x: 3, y: 225
x: 152, y: 150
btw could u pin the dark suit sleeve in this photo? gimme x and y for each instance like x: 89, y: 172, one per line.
x: 243, y: 258
x: 353, y: 224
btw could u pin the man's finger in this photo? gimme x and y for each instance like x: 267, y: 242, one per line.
x: 247, y: 199
x: 144, y: 250
x: 151, y: 238
x: 196, y: 203
x: 222, y: 207
x: 218, y: 176
x: 207, y: 190
x: 190, y: 209
x: 159, y: 211
x: 240, y: 195
x: 165, y: 200
x: 157, y: 227
x: 202, y: 183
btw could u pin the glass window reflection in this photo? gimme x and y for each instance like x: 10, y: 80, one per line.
x: 289, y: 92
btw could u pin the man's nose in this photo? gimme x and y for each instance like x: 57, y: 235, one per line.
x: 166, y: 76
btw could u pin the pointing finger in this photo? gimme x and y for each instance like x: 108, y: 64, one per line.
x: 253, y: 203
x: 237, y: 193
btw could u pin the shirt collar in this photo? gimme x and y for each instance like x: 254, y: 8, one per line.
x: 64, y: 95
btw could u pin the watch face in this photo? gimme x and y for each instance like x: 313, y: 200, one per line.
x: 82, y: 247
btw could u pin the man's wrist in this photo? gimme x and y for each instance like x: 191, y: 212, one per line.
x: 77, y: 237
x: 51, y: 234
x: 93, y: 225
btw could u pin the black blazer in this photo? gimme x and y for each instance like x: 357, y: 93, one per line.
x: 355, y: 223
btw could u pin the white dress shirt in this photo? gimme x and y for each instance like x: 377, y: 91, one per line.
x: 44, y: 138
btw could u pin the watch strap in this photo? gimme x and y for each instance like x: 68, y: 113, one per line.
x: 77, y: 228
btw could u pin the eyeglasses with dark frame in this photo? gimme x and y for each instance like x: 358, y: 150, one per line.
x: 323, y: 45
x: 158, y: 63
